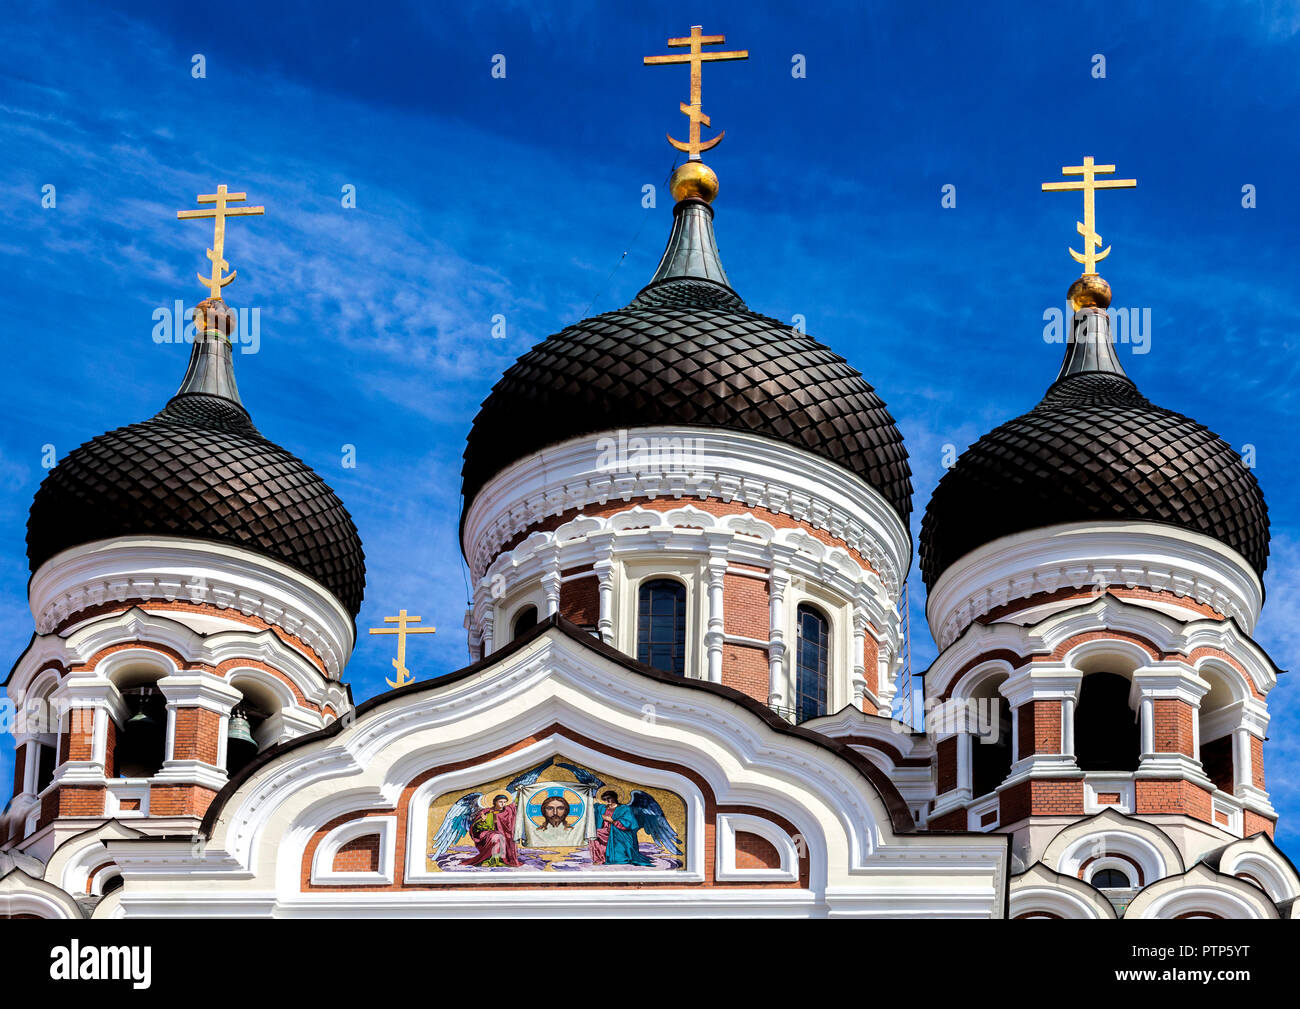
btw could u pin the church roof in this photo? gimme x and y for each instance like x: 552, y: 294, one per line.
x: 689, y: 352
x: 1094, y: 449
x: 200, y: 469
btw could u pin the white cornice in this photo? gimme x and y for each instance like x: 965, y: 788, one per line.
x: 148, y: 629
x: 723, y: 465
x: 130, y: 568
x: 1106, y: 613
x: 1093, y: 555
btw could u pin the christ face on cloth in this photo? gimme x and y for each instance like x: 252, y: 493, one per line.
x: 492, y: 831
x: 555, y: 827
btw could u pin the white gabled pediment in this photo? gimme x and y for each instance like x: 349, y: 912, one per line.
x: 556, y: 694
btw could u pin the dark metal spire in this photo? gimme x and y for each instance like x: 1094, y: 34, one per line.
x: 1089, y: 347
x: 692, y: 250
x: 211, y: 371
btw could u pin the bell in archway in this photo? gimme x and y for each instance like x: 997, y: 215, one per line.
x: 241, y: 747
x: 140, y: 752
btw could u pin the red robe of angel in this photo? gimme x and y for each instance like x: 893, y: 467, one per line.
x: 493, y: 833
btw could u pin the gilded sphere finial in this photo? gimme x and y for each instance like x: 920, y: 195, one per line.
x: 1089, y: 291
x: 694, y: 179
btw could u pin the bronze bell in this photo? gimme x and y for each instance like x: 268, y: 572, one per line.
x: 140, y: 751
x: 241, y: 747
x: 240, y: 731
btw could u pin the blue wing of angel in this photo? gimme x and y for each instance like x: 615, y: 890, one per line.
x: 455, y: 824
x: 650, y: 816
x: 529, y: 777
x: 584, y: 776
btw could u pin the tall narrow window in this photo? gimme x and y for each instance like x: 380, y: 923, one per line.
x: 812, y: 664
x: 525, y: 621
x: 661, y: 625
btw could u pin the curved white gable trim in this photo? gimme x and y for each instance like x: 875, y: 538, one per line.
x: 726, y: 465
x: 322, y: 863
x: 1092, y: 554
x: 1038, y: 889
x: 858, y: 866
x: 170, y: 568
x: 729, y: 825
x: 1199, y: 890
x: 1110, y: 833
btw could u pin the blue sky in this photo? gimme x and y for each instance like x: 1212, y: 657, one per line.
x: 478, y: 196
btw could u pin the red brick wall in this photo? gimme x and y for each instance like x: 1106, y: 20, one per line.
x: 1253, y: 823
x: 745, y: 610
x: 580, y: 601
x: 1257, y: 761
x: 80, y: 736
x: 1172, y: 723
x: 196, y: 734
x: 746, y: 669
x: 871, y: 667
x: 956, y: 820
x: 1040, y: 727
x: 1041, y: 798
x: 946, y: 754
x: 20, y: 768
x: 361, y: 854
x: 754, y: 852
x: 1216, y: 757
x: 179, y: 800
x: 1172, y: 796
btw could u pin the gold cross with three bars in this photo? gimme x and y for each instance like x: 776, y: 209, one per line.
x: 696, y: 58
x: 401, y: 630
x: 217, y: 253
x: 1090, y: 257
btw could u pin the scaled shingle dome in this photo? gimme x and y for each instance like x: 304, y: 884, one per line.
x: 688, y: 352
x: 1094, y: 449
x: 200, y: 469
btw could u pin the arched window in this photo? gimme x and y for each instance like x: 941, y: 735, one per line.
x: 525, y: 621
x: 661, y: 625
x: 1111, y: 879
x: 142, y: 741
x: 990, y: 728
x: 1106, y: 734
x: 812, y: 663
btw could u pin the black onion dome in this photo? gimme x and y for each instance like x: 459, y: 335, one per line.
x: 200, y: 469
x: 687, y: 352
x: 1094, y: 449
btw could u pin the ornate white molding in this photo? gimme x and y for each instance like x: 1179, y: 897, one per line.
x: 724, y: 465
x: 1093, y: 555
x: 132, y: 568
x: 1106, y: 613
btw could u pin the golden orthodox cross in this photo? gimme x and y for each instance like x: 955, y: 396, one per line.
x: 401, y: 630
x: 1090, y: 257
x: 219, y: 213
x: 696, y: 58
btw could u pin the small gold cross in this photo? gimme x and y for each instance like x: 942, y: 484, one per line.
x: 219, y: 213
x: 401, y: 630
x: 696, y: 58
x: 1090, y: 257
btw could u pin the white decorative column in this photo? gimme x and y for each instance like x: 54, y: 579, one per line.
x: 858, y: 680
x: 1173, y: 682
x: 486, y: 632
x: 551, y: 583
x: 189, y: 690
x: 1052, y: 682
x: 778, y: 580
x: 717, y: 570
x: 603, y: 543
